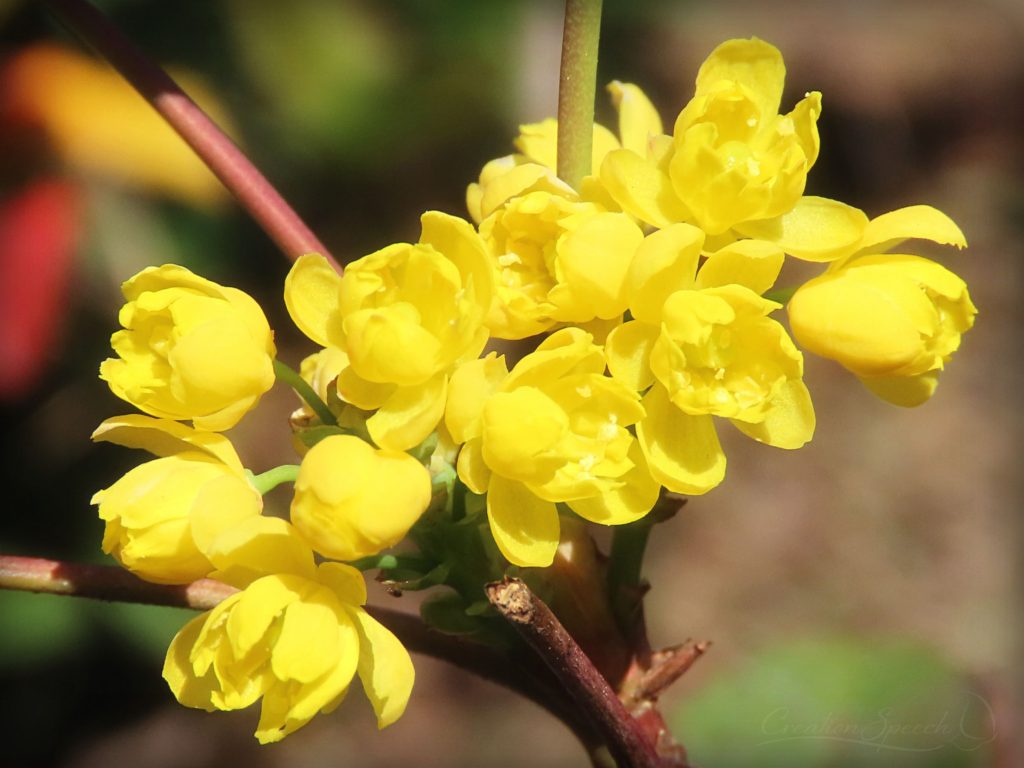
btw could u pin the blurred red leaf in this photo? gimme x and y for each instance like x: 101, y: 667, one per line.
x: 39, y: 227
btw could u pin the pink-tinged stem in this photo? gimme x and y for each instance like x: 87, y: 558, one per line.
x: 104, y: 582
x: 216, y: 150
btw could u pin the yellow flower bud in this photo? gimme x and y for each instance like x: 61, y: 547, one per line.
x: 893, y: 320
x: 191, y: 349
x: 297, y: 642
x: 161, y: 516
x: 352, y: 500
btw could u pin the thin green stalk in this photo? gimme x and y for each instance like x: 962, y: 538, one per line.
x: 269, y: 480
x: 296, y: 382
x: 626, y: 560
x: 577, y: 86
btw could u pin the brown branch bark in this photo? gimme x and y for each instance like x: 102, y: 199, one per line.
x: 542, y: 631
x: 217, y: 151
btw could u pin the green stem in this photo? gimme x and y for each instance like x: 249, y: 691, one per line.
x: 629, y: 542
x: 577, y: 85
x: 269, y: 480
x: 625, y: 563
x: 290, y: 377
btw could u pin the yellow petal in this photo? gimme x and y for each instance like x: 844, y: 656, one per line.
x: 308, y: 644
x: 460, y: 243
x: 385, y: 668
x: 905, y: 391
x: 470, y: 386
x: 638, y: 119
x: 346, y: 582
x: 665, y: 263
x: 406, y: 418
x: 593, y: 260
x: 790, y: 419
x: 363, y: 394
x: 627, y: 503
x: 682, y: 451
x: 524, y: 526
x: 188, y: 689
x: 311, y: 294
x: 816, y: 229
x: 251, y: 612
x: 913, y: 222
x: 752, y: 263
x: 163, y: 437
x: 641, y: 188
x: 258, y: 546
x: 519, y: 180
x: 628, y: 350
x: 752, y: 63
x: 472, y: 468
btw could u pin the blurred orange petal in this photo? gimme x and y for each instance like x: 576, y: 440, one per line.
x: 96, y: 123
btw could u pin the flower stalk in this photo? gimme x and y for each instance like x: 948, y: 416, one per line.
x: 577, y: 85
x: 290, y: 376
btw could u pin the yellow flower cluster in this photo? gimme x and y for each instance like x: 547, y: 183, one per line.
x: 651, y: 280
x: 295, y: 635
x: 652, y: 288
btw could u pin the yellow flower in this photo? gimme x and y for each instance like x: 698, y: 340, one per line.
x: 702, y: 345
x: 161, y: 516
x: 405, y: 316
x: 552, y: 430
x: 190, y: 349
x: 352, y: 500
x: 297, y: 641
x: 733, y: 157
x: 557, y: 259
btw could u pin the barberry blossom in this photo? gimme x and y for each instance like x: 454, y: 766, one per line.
x: 405, y: 316
x: 552, y: 430
x: 353, y: 500
x: 161, y: 516
x: 190, y: 349
x: 557, y: 259
x: 732, y: 158
x: 701, y: 345
x: 296, y: 640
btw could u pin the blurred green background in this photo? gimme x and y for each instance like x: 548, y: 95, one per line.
x: 862, y: 594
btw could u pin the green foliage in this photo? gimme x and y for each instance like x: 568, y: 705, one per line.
x: 841, y: 703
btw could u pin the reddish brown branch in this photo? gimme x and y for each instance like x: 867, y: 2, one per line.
x: 539, y: 628
x: 107, y: 582
x: 216, y: 150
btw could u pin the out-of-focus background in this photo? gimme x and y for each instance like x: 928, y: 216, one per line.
x: 862, y: 593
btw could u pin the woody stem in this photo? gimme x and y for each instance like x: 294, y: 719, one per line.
x: 263, y: 202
